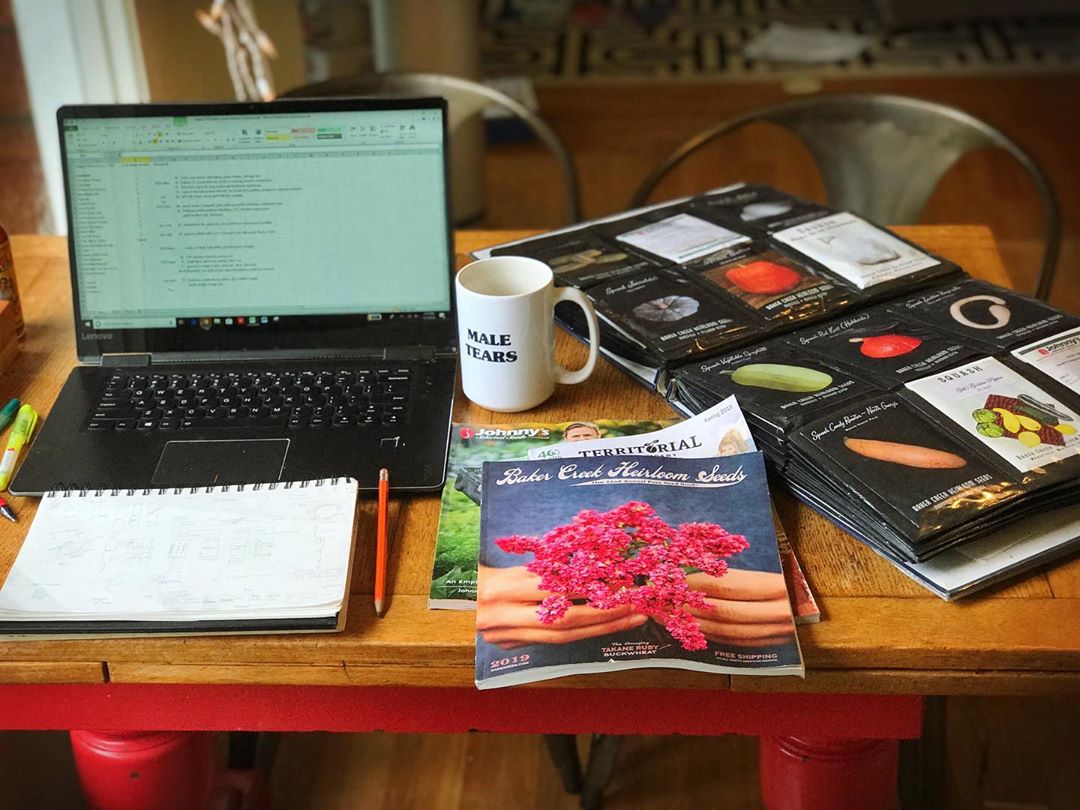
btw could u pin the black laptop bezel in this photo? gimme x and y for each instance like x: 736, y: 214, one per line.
x: 306, y: 336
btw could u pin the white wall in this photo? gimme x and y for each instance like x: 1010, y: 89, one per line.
x: 75, y: 52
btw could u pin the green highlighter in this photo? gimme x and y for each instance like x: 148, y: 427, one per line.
x: 25, y: 422
x: 8, y: 413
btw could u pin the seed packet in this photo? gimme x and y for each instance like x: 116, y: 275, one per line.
x: 678, y: 236
x: 580, y: 258
x: 776, y: 384
x: 757, y: 208
x: 883, y: 347
x: 996, y: 407
x: 668, y: 313
x: 985, y: 315
x: 777, y: 287
x: 1056, y: 357
x: 894, y: 456
x: 862, y: 254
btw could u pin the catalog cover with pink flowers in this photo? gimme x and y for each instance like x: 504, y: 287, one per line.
x: 625, y: 562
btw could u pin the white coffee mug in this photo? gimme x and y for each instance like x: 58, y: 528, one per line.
x: 506, y: 332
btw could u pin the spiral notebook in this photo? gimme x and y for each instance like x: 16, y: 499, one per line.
x: 261, y: 558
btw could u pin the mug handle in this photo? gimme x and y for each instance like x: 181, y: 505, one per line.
x: 563, y: 375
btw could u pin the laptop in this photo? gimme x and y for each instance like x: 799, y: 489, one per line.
x: 261, y: 292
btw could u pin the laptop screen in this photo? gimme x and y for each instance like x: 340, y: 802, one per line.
x: 287, y: 225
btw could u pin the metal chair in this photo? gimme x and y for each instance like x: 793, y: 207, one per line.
x: 466, y: 99
x: 881, y: 156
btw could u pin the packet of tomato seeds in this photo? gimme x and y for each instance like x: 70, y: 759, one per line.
x: 777, y: 288
x: 868, y: 258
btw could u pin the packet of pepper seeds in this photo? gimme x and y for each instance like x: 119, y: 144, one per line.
x: 882, y: 347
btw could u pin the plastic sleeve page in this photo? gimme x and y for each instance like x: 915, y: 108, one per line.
x: 1057, y: 357
x: 682, y: 238
x: 855, y: 250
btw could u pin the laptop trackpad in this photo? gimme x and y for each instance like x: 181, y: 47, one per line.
x: 209, y: 463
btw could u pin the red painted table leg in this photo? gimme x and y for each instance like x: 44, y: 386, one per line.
x: 144, y: 770
x: 828, y: 773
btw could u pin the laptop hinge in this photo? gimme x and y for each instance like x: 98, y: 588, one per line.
x: 409, y: 353
x: 125, y: 359
x: 395, y: 353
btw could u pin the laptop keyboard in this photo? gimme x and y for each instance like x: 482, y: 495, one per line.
x: 311, y: 400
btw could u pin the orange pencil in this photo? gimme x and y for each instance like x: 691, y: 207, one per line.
x: 380, y: 542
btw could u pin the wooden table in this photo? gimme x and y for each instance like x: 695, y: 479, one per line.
x: 883, y: 641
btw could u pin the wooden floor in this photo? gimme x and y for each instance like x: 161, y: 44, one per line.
x: 1003, y: 753
x: 329, y: 772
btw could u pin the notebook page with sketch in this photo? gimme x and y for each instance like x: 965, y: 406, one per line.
x: 248, y: 558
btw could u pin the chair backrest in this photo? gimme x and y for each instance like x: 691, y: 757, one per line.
x: 882, y: 156
x: 465, y: 98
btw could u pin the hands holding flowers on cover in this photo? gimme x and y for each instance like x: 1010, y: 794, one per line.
x: 607, y: 572
x: 507, y: 605
x: 742, y: 609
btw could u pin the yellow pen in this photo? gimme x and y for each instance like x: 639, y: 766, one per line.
x: 20, y: 434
